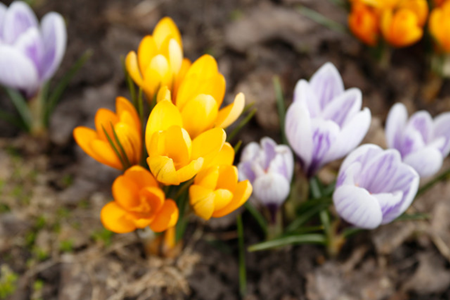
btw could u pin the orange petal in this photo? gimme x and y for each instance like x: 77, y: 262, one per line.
x: 141, y: 177
x: 228, y: 177
x: 125, y: 192
x: 241, y: 194
x: 166, y: 217
x: 108, y: 156
x: 116, y: 219
x: 104, y: 120
x: 154, y: 198
x: 231, y: 113
x: 122, y: 106
x: 84, y: 137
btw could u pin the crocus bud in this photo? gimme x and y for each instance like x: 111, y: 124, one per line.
x: 422, y: 142
x: 440, y: 26
x: 325, y: 122
x: 374, y: 187
x: 269, y: 167
x: 363, y: 22
x: 29, y: 54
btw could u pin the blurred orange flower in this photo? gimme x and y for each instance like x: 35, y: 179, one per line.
x: 117, y: 140
x: 439, y: 26
x: 363, y: 22
x: 138, y: 203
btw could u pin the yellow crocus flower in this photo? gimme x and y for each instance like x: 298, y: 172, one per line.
x: 173, y: 156
x: 125, y: 125
x: 440, y: 26
x: 159, y: 60
x: 401, y: 28
x: 363, y: 22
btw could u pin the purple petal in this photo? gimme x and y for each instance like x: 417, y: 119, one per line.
x: 344, y: 107
x: 422, y: 122
x: 30, y: 44
x: 268, y: 147
x: 298, y: 132
x: 357, y: 206
x: 441, y: 128
x: 412, y: 141
x: 351, y: 135
x: 347, y: 176
x: 378, y: 174
x: 388, y: 202
x: 305, y: 95
x: 426, y: 162
x: 250, y: 152
x: 3, y: 10
x: 246, y: 171
x: 17, y: 71
x: 283, y: 162
x: 55, y: 38
x: 324, y: 135
x: 18, y: 19
x: 271, y: 188
x: 395, y: 124
x: 327, y: 84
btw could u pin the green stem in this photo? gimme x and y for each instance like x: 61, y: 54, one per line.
x: 275, y: 227
x: 430, y: 184
x: 36, y: 105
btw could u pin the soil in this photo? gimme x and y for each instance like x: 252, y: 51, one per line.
x: 51, y: 237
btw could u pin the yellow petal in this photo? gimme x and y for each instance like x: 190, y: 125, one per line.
x: 165, y: 28
x: 225, y: 156
x: 163, y: 116
x: 241, y: 194
x: 166, y: 217
x: 177, y: 146
x: 222, y: 198
x: 163, y: 169
x: 125, y: 192
x: 202, y: 201
x: 157, y: 74
x: 208, y: 145
x: 231, y: 113
x: 205, y: 67
x: 163, y: 94
x: 228, y: 177
x: 114, y: 218
x: 131, y: 63
x: 174, y: 54
x: 146, y: 51
x: 195, y: 85
x: 141, y: 177
x: 108, y: 156
x: 187, y: 172
x: 185, y: 65
x: 199, y: 114
x: 208, y: 177
x: 122, y: 106
x: 130, y: 140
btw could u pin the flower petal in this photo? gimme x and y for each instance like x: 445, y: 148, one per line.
x: 271, y: 188
x: 442, y: 129
x: 282, y: 163
x: 208, y: 178
x: 54, y: 36
x: 141, y: 177
x: 131, y: 63
x: 199, y: 114
x: 30, y: 44
x: 231, y: 113
x: 103, y: 149
x: 362, y: 154
x: 344, y: 107
x: 190, y: 170
x: 202, y: 201
x: 225, y: 156
x: 18, y: 18
x: 3, y: 10
x: 222, y: 197
x: 146, y: 51
x: 327, y: 84
x: 125, y: 192
x: 228, y: 177
x: 240, y: 196
x: 324, y: 135
x: 116, y: 219
x: 163, y: 169
x: 208, y: 145
x: 305, y: 95
x: 356, y: 206
x: 422, y: 122
x: 395, y: 124
x: 166, y: 217
x: 427, y: 161
x: 165, y: 28
x: 17, y: 71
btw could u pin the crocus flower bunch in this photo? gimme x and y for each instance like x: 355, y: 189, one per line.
x: 439, y: 25
x: 399, y: 22
x: 178, y: 151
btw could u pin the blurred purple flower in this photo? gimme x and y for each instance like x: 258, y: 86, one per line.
x: 325, y: 122
x: 269, y: 168
x: 422, y: 142
x: 29, y: 54
x: 374, y: 187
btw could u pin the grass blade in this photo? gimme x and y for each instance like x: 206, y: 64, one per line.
x: 322, y: 20
x: 22, y: 107
x: 316, y: 238
x: 257, y: 216
x: 242, y: 270
x: 280, y: 106
x: 59, y: 90
x: 237, y: 146
x: 306, y: 216
x: 241, y: 125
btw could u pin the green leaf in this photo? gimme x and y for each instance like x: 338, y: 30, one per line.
x: 257, y: 216
x: 413, y: 217
x: 429, y: 185
x: 237, y: 146
x: 306, y: 214
x: 182, y: 222
x: 241, y: 125
x: 242, y: 269
x: 280, y: 106
x: 322, y: 20
x: 22, y: 107
x: 315, y: 238
x: 55, y: 97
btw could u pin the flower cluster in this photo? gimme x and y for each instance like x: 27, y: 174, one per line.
x: 183, y: 150
x: 399, y: 22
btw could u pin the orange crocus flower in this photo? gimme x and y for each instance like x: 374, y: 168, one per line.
x: 401, y: 27
x: 363, y: 22
x: 125, y: 125
x: 138, y: 203
x: 440, y: 26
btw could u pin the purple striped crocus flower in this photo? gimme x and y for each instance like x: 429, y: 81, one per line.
x: 325, y: 122
x: 269, y: 167
x: 374, y: 187
x: 29, y: 53
x: 422, y: 142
